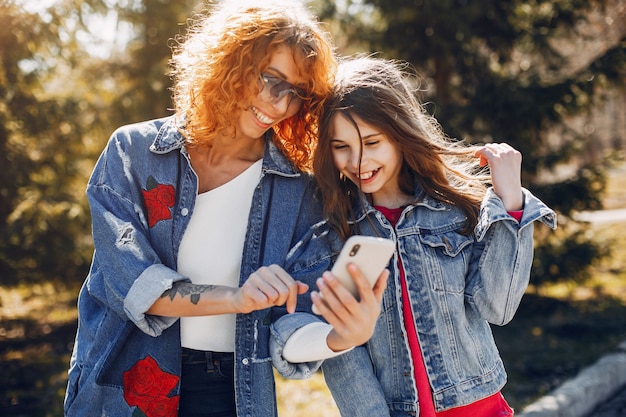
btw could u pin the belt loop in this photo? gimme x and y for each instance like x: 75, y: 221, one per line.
x: 210, y: 366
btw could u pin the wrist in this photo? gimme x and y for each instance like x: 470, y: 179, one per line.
x: 513, y: 202
x: 235, y: 301
x: 336, y: 343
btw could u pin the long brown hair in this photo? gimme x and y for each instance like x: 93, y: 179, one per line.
x: 217, y: 64
x: 380, y: 93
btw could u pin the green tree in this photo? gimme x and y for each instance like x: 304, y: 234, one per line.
x: 41, y: 215
x: 493, y: 68
x: 139, y: 69
x: 65, y: 85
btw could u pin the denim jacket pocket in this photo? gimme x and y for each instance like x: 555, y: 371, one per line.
x: 447, y: 259
x: 110, y: 368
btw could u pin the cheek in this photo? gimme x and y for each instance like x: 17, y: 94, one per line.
x: 338, y: 160
x: 392, y: 155
x: 292, y: 110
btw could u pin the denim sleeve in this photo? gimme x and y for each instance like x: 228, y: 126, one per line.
x: 281, y: 330
x: 146, y: 289
x: 354, y: 385
x: 313, y: 253
x: 130, y: 276
x: 306, y: 262
x: 502, y: 257
x: 492, y: 210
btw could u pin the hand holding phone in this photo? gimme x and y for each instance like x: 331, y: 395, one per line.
x: 370, y: 254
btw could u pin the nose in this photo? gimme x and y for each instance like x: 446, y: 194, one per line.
x: 356, y: 159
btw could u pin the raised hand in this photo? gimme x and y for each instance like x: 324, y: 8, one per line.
x: 505, y: 164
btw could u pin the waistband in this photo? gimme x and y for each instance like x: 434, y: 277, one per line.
x: 199, y: 356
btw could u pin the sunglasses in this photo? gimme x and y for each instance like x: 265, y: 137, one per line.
x: 275, y: 88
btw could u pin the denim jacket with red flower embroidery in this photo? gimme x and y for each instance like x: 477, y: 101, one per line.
x: 141, y: 194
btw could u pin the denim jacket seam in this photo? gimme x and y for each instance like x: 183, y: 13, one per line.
x: 102, y: 187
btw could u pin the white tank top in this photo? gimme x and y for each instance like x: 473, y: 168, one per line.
x: 210, y: 253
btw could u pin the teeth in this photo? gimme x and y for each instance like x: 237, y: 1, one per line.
x: 367, y: 175
x: 262, y: 118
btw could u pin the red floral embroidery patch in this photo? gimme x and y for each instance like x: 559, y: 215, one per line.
x: 159, y: 198
x: 147, y: 387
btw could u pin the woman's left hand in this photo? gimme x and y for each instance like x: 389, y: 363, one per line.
x: 505, y: 164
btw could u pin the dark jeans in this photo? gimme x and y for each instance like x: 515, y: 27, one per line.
x: 207, y: 387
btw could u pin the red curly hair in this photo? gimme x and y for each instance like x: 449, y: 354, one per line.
x: 218, y: 62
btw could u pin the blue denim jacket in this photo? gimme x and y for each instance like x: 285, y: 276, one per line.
x: 458, y: 285
x: 142, y: 193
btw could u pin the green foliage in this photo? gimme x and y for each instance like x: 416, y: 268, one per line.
x: 497, y: 72
x: 42, y: 217
x: 65, y: 85
x: 140, y: 71
x: 577, y: 193
x: 566, y: 255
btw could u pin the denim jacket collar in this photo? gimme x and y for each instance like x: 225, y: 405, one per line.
x: 170, y: 138
x: 363, y: 208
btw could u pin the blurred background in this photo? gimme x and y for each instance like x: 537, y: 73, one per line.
x: 546, y: 76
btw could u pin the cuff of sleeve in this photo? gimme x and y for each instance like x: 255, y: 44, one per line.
x: 309, y: 344
x: 146, y: 289
x: 281, y: 331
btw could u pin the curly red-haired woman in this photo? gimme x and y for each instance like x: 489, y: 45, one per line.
x: 193, y: 216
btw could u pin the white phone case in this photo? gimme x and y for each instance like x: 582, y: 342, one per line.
x: 370, y: 254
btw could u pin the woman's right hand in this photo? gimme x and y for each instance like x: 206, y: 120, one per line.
x: 353, y: 321
x: 505, y: 164
x: 269, y: 286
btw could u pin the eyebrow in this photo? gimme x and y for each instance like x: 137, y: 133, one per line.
x: 371, y: 135
x: 284, y: 77
x: 278, y: 72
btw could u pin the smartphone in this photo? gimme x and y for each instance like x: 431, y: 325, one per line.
x: 370, y: 254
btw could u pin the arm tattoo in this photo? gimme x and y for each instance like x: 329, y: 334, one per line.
x: 186, y: 288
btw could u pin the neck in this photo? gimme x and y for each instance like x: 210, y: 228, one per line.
x: 390, y: 201
x: 224, y: 149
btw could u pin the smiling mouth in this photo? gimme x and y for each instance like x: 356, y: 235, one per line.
x: 367, y: 175
x: 261, y: 117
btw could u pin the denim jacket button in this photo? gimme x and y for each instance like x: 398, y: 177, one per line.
x: 244, y: 361
x: 184, y: 211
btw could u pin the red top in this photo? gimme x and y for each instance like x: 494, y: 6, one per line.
x: 492, y: 406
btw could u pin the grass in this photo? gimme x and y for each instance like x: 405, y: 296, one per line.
x: 305, y: 398
x: 37, y: 326
x: 553, y: 336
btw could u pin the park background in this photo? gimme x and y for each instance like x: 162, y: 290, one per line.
x: 547, y: 76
